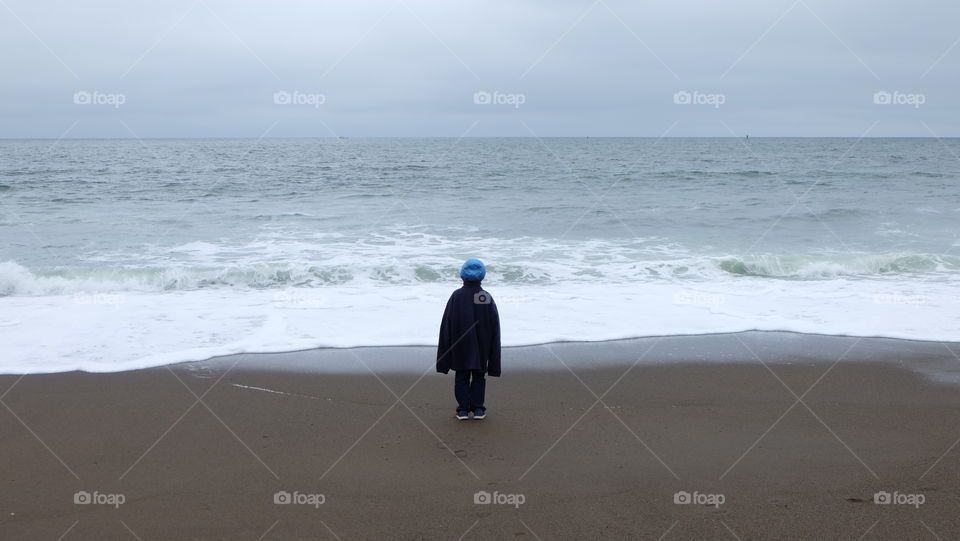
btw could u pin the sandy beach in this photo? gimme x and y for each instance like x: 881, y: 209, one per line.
x: 783, y: 439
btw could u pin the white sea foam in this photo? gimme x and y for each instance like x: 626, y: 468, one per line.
x: 276, y: 261
x: 129, y: 330
x: 204, y: 299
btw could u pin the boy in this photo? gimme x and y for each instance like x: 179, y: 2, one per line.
x: 470, y: 340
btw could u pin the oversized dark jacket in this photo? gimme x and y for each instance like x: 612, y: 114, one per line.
x: 470, y: 332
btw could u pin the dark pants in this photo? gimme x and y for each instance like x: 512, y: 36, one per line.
x: 469, y: 388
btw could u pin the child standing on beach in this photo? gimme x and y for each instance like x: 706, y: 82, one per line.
x: 470, y: 340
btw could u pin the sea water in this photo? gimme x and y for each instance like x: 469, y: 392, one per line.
x: 120, y: 254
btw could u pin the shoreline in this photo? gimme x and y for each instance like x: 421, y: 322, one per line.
x: 929, y: 346
x: 936, y: 360
x: 612, y: 340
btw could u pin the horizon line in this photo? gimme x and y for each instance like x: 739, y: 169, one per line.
x: 247, y: 138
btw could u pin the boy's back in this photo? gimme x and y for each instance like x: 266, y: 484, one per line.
x: 470, y: 332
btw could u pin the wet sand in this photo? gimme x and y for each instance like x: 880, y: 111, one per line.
x: 783, y: 439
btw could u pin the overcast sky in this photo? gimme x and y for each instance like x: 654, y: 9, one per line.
x: 213, y: 68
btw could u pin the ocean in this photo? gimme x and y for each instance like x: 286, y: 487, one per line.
x: 122, y: 254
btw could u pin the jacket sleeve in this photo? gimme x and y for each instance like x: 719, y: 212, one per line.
x: 493, y: 363
x: 445, y: 342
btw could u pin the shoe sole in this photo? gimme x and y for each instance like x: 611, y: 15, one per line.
x: 461, y: 418
x: 480, y: 417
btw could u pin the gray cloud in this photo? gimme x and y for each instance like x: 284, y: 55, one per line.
x: 385, y: 68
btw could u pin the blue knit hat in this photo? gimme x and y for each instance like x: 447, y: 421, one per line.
x: 473, y: 270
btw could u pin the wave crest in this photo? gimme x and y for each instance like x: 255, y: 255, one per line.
x: 809, y: 267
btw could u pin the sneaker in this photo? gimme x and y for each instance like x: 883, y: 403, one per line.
x: 479, y: 414
x: 463, y: 415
